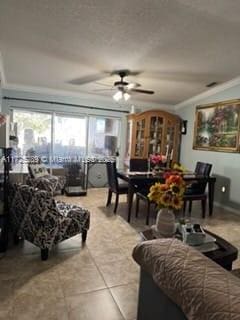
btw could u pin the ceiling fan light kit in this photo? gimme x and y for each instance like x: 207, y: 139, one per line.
x: 121, y: 95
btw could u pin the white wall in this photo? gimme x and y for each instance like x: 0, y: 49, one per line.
x: 226, y: 166
x: 1, y: 92
x: 0, y: 97
x: 2, y: 80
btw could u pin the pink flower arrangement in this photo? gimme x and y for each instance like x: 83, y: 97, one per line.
x: 157, y: 159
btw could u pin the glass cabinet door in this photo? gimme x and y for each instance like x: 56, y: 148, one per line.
x: 128, y: 139
x: 155, y: 137
x: 154, y: 132
x: 139, y: 148
x: 169, y: 142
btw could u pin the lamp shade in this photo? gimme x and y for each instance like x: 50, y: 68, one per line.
x: 121, y: 94
x: 126, y: 96
x: 118, y: 95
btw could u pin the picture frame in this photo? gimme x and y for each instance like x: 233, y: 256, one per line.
x: 217, y: 127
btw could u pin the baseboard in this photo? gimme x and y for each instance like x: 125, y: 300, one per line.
x: 233, y: 210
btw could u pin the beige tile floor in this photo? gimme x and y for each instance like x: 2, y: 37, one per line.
x: 97, y: 281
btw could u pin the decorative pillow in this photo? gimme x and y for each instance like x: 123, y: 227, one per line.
x: 38, y: 170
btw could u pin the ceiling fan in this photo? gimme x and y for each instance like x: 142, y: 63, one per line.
x: 124, y: 88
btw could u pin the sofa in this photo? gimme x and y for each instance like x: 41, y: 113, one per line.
x: 37, y: 217
x: 178, y: 282
x: 40, y: 178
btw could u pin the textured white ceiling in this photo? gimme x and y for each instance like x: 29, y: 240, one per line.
x: 179, y: 45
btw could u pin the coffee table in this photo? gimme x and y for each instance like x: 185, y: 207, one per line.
x: 224, y: 255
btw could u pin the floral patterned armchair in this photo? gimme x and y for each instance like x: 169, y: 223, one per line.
x: 38, y: 218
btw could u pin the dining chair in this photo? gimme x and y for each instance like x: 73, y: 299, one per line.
x: 196, y: 191
x: 143, y: 195
x: 115, y: 185
x: 138, y: 165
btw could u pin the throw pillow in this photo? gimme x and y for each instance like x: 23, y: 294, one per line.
x: 38, y: 170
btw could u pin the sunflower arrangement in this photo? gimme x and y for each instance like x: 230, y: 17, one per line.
x: 168, y: 194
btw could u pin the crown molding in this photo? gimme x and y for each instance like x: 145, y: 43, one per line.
x: 219, y: 88
x: 82, y: 95
x: 2, y: 74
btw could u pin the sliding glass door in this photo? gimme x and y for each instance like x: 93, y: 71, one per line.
x: 103, y: 136
x: 69, y: 139
x: 59, y: 138
x: 34, y: 130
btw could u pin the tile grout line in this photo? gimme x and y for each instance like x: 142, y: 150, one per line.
x: 64, y: 297
x: 106, y: 285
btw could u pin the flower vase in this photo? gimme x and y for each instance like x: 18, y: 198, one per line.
x: 156, y: 169
x: 165, y: 223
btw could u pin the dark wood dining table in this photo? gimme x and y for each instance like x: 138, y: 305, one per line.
x: 138, y: 180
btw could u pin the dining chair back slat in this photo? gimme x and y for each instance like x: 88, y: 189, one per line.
x: 138, y: 165
x: 112, y: 176
x: 113, y: 185
x: 196, y: 191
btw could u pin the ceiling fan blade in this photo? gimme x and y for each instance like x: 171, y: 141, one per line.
x: 142, y: 91
x: 133, y: 85
x: 135, y: 73
x: 90, y: 78
x: 103, y: 84
x: 126, y: 72
x: 109, y: 89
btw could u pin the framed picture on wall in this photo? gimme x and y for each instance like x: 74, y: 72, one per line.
x: 217, y: 127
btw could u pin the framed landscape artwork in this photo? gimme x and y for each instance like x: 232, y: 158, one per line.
x: 217, y: 127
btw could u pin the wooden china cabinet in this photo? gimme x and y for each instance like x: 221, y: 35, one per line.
x: 153, y: 132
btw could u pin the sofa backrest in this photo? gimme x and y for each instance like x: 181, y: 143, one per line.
x: 201, y: 288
